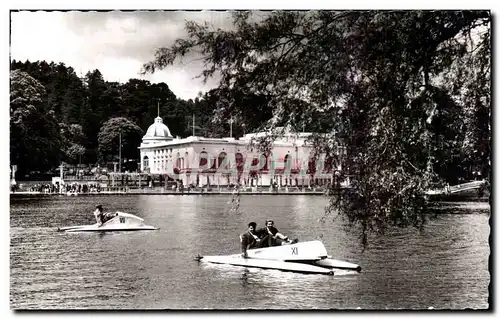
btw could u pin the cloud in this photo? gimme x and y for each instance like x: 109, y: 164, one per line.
x: 117, y: 43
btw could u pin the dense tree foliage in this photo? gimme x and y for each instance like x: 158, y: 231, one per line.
x: 34, y: 130
x: 408, y: 90
x: 58, y: 114
x: 72, y: 141
x: 109, y: 139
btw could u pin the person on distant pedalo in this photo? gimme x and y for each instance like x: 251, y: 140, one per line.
x: 102, y: 217
x: 99, y: 215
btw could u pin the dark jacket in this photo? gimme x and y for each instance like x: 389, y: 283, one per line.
x: 248, y: 241
x: 262, y: 232
x: 267, y: 240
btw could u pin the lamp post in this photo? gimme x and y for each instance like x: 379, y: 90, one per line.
x: 231, y: 127
x: 61, y: 171
x: 13, y: 179
x: 120, y: 154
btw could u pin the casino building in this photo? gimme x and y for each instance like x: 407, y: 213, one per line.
x: 205, y: 161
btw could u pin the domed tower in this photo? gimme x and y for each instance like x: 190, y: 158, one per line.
x: 157, y: 132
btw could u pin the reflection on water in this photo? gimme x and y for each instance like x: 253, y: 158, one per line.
x: 444, y: 266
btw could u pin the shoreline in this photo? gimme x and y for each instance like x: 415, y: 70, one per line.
x: 216, y: 193
x: 160, y: 192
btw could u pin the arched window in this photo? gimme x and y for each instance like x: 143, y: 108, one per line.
x: 204, y: 160
x: 271, y: 163
x: 240, y: 162
x: 213, y: 161
x: 145, y: 162
x: 263, y: 162
x: 311, y: 166
x: 220, y: 160
x: 255, y: 162
x: 186, y: 160
x: 178, y: 161
x: 288, y: 162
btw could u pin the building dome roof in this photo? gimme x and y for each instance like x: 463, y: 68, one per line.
x: 157, y: 132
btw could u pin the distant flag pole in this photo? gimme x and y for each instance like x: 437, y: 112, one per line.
x: 158, y: 108
x: 120, y: 154
x: 231, y: 127
x: 193, y: 125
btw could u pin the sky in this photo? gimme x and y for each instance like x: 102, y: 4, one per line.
x: 117, y: 43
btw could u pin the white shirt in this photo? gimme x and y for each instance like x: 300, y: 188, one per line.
x: 97, y: 214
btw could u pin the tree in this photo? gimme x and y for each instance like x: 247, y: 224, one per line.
x: 383, y: 80
x: 34, y: 134
x: 93, y: 112
x: 89, y: 101
x: 253, y: 111
x: 65, y: 90
x: 72, y: 142
x: 109, y: 135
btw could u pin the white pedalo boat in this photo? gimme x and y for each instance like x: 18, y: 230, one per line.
x: 305, y: 257
x: 119, y: 222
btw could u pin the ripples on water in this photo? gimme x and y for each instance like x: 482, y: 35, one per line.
x: 443, y: 266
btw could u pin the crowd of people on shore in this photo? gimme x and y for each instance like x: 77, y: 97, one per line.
x: 74, y: 187
x: 83, y: 188
x: 49, y: 188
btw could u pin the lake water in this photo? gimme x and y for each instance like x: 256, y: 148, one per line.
x: 443, y: 266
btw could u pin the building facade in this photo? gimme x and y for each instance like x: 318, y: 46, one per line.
x: 202, y: 161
